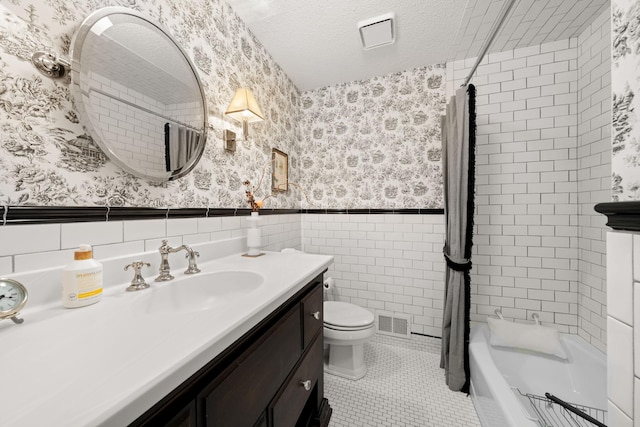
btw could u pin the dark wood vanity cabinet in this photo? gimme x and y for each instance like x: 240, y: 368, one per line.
x: 271, y: 377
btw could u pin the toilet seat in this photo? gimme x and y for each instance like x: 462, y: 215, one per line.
x: 344, y: 316
x: 341, y: 328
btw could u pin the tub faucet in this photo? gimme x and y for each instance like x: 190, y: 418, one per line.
x: 165, y: 270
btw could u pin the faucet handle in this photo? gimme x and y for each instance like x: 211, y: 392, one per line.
x: 193, y: 267
x: 137, y: 283
x: 137, y: 265
x: 192, y: 254
x: 164, y: 248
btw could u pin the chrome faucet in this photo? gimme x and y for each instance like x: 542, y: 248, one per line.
x: 165, y: 270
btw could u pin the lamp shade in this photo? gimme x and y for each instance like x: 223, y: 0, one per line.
x: 244, y: 108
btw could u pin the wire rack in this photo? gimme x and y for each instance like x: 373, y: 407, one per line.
x: 554, y: 412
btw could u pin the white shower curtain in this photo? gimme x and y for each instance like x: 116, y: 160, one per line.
x: 458, y: 162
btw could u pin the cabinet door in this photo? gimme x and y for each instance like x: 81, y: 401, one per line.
x: 262, y: 422
x: 301, y: 386
x: 312, y: 317
x: 184, y: 418
x: 178, y: 409
x: 250, y: 383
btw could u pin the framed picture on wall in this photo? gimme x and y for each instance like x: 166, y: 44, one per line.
x: 280, y: 170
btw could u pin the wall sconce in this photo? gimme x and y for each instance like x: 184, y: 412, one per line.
x: 244, y: 108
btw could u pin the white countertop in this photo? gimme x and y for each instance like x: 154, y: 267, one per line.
x: 107, y: 363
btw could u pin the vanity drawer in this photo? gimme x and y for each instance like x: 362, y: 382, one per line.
x: 291, y: 400
x: 312, y: 308
x: 251, y: 381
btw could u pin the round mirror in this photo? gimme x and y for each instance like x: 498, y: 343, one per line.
x: 138, y: 94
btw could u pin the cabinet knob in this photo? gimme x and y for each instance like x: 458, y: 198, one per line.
x: 306, y: 384
x: 316, y: 315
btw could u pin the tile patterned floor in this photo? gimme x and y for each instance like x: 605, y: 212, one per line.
x: 404, y: 387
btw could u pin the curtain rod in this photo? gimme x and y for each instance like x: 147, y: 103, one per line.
x: 506, y: 7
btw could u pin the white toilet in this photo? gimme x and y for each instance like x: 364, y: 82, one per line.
x: 346, y: 328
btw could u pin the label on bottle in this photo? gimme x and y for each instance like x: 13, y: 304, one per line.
x: 82, y: 287
x: 87, y: 283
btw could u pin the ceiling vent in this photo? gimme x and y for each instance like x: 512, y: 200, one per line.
x: 378, y: 31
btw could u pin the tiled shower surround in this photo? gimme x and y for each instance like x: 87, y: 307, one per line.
x: 543, y: 162
x: 594, y: 176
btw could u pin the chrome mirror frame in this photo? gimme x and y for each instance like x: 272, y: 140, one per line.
x: 77, y: 43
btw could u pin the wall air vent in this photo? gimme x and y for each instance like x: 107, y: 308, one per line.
x: 394, y: 324
x: 378, y: 31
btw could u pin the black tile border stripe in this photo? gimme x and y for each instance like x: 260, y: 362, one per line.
x: 122, y: 214
x: 621, y: 215
x: 17, y: 215
x: 374, y: 211
x: 46, y: 215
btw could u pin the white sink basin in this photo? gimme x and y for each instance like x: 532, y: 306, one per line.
x: 199, y: 292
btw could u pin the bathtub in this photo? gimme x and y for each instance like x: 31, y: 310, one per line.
x: 581, y: 379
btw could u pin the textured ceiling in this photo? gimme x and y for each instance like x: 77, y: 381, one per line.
x: 317, y: 42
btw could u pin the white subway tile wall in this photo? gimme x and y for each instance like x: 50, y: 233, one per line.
x: 617, y: 417
x: 29, y: 239
x: 137, y: 135
x: 542, y: 163
x: 623, y: 336
x: 6, y: 265
x: 34, y: 247
x: 185, y: 112
x: 113, y: 250
x: 182, y: 226
x: 637, y: 401
x: 145, y: 229
x: 594, y: 176
x: 40, y: 260
x: 620, y: 365
x: 525, y: 243
x: 390, y: 263
x: 636, y: 333
x: 620, y: 277
x: 94, y: 233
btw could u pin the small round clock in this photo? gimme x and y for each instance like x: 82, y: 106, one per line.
x: 13, y: 297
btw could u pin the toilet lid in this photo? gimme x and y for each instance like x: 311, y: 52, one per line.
x: 346, y: 315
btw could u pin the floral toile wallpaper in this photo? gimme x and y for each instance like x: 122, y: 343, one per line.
x: 625, y: 81
x: 375, y: 143
x: 47, y: 158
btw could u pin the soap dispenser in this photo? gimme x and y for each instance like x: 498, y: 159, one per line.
x: 82, y: 279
